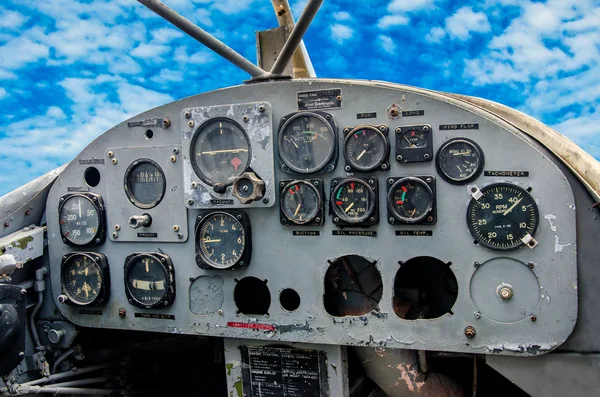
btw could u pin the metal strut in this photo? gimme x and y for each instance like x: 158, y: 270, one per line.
x: 231, y: 55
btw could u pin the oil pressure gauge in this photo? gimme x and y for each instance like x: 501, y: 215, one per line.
x: 366, y: 148
x: 301, y: 202
x: 223, y: 240
x: 411, y: 200
x: 354, y: 202
x: 81, y: 219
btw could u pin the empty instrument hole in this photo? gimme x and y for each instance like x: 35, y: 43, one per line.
x: 424, y: 287
x: 252, y: 296
x: 289, y: 299
x: 92, y: 176
x: 353, y: 286
x: 149, y: 134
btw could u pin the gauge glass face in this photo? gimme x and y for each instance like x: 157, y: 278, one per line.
x: 82, y: 279
x: 365, y: 149
x: 460, y: 160
x: 300, y: 202
x: 502, y: 216
x: 145, y: 183
x: 410, y: 199
x: 413, y: 139
x: 353, y: 201
x: 222, y: 240
x: 220, y: 151
x: 79, y: 220
x: 306, y: 143
x: 147, y: 280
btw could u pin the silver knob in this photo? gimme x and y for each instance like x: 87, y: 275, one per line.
x: 62, y: 298
x: 137, y: 221
x: 55, y: 335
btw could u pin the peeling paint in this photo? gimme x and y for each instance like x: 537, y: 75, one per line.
x: 229, y: 367
x: 551, y: 218
x: 282, y: 329
x: 238, y: 387
x: 558, y: 246
x: 23, y: 242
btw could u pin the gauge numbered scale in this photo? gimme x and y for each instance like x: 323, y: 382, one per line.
x: 81, y: 219
x: 411, y: 200
x: 414, y: 144
x: 84, y: 278
x: 223, y: 240
x: 366, y: 148
x: 459, y: 161
x: 301, y: 202
x: 145, y: 183
x: 354, y: 201
x: 308, y: 142
x: 149, y: 280
x: 502, y: 216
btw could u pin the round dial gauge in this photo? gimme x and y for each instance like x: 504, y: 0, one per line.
x: 410, y: 200
x: 83, y: 279
x: 220, y: 151
x: 306, y: 142
x: 353, y: 201
x: 413, y: 139
x: 149, y: 280
x: 459, y: 161
x: 222, y: 240
x: 300, y: 202
x: 145, y: 183
x: 366, y: 148
x: 80, y: 219
x: 503, y: 216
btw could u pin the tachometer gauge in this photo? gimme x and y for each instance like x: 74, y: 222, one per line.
x: 307, y: 142
x: 353, y: 201
x: 149, y: 280
x: 145, y: 183
x: 459, y: 161
x: 502, y: 216
x: 222, y: 240
x: 81, y: 219
x: 410, y: 200
x: 366, y: 148
x: 220, y: 151
x: 301, y: 202
x: 84, y: 278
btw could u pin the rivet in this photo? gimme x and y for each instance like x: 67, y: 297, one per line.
x: 533, y: 317
x: 191, y: 123
x: 173, y: 159
x: 110, y: 154
x: 220, y: 311
x: 115, y: 235
x: 114, y: 161
x: 117, y: 227
x: 190, y: 202
x: 261, y: 108
x: 338, y: 98
x: 122, y: 313
x: 187, y: 115
x: 194, y: 185
x: 176, y: 150
x: 175, y: 228
x: 399, y: 158
x: 246, y: 118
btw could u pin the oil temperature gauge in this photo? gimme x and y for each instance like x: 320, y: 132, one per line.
x: 302, y: 202
x: 411, y: 200
x: 149, y: 280
x: 353, y: 201
x: 366, y: 148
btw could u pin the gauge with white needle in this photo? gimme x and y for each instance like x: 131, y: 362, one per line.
x: 366, y: 148
x: 353, y: 201
x: 300, y: 202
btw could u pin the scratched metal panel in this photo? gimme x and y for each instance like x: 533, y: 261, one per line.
x: 300, y: 262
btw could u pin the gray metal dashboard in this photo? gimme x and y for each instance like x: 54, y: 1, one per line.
x: 431, y: 287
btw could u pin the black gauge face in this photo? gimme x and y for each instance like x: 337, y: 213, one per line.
x: 148, y: 280
x: 459, y: 161
x: 79, y: 220
x: 410, y: 200
x: 503, y: 216
x: 220, y: 151
x: 300, y: 202
x: 365, y: 149
x: 145, y: 183
x: 413, y: 139
x: 306, y: 143
x: 82, y: 279
x: 222, y: 240
x: 353, y: 201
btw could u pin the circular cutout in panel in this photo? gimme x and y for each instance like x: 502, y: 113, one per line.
x: 505, y: 290
x: 91, y: 176
x: 424, y: 288
x: 252, y: 296
x: 353, y: 286
x: 289, y: 299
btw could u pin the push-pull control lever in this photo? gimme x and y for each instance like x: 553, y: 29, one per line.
x: 137, y: 221
x: 248, y: 188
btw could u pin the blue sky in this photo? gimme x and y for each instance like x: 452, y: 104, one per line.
x: 70, y: 70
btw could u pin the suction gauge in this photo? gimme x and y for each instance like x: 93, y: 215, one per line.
x: 366, y: 148
x: 459, y: 161
x: 81, y: 219
x: 84, y: 278
x: 302, y: 202
x: 149, y: 280
x: 411, y: 199
x: 145, y: 183
x: 307, y: 142
x: 353, y: 201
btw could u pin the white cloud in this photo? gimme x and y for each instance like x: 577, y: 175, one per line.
x: 204, y: 17
x: 56, y: 113
x: 387, y: 43
x: 464, y: 21
x: 147, y: 51
x: 14, y: 57
x: 11, y: 20
x: 168, y: 76
x: 410, y: 5
x: 3, y: 93
x: 198, y: 58
x: 342, y: 16
x: 392, y: 20
x: 341, y: 33
x: 435, y: 35
x: 165, y: 35
x: 6, y: 75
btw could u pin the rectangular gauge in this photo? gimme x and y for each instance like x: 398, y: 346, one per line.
x: 414, y: 144
x: 411, y: 200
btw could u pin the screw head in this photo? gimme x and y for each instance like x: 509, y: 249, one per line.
x: 117, y: 227
x: 347, y: 168
x: 180, y: 236
x: 505, y: 293
x: 175, y: 228
x: 190, y: 202
x: 122, y: 313
x: 346, y: 130
x: 316, y: 183
x: 194, y: 185
x: 173, y: 159
x: 283, y: 119
x: 425, y: 128
x: 428, y: 180
x: 328, y: 117
x: 477, y: 315
x: 531, y: 265
x: 372, y: 219
x: 220, y: 311
x: 265, y: 200
x: 191, y: 123
x: 533, y: 317
x: 426, y: 156
x: 470, y: 332
x: 115, y: 235
x: 282, y: 184
x: 176, y: 150
x: 114, y: 160
x: 392, y: 219
x: 398, y: 130
x: 239, y: 217
x: 246, y: 118
x: 336, y: 219
x: 382, y: 128
x: 187, y: 115
x: 399, y: 158
x: 384, y: 166
x: 338, y: 98
x: 261, y: 108
x: 110, y: 154
x: 317, y: 219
